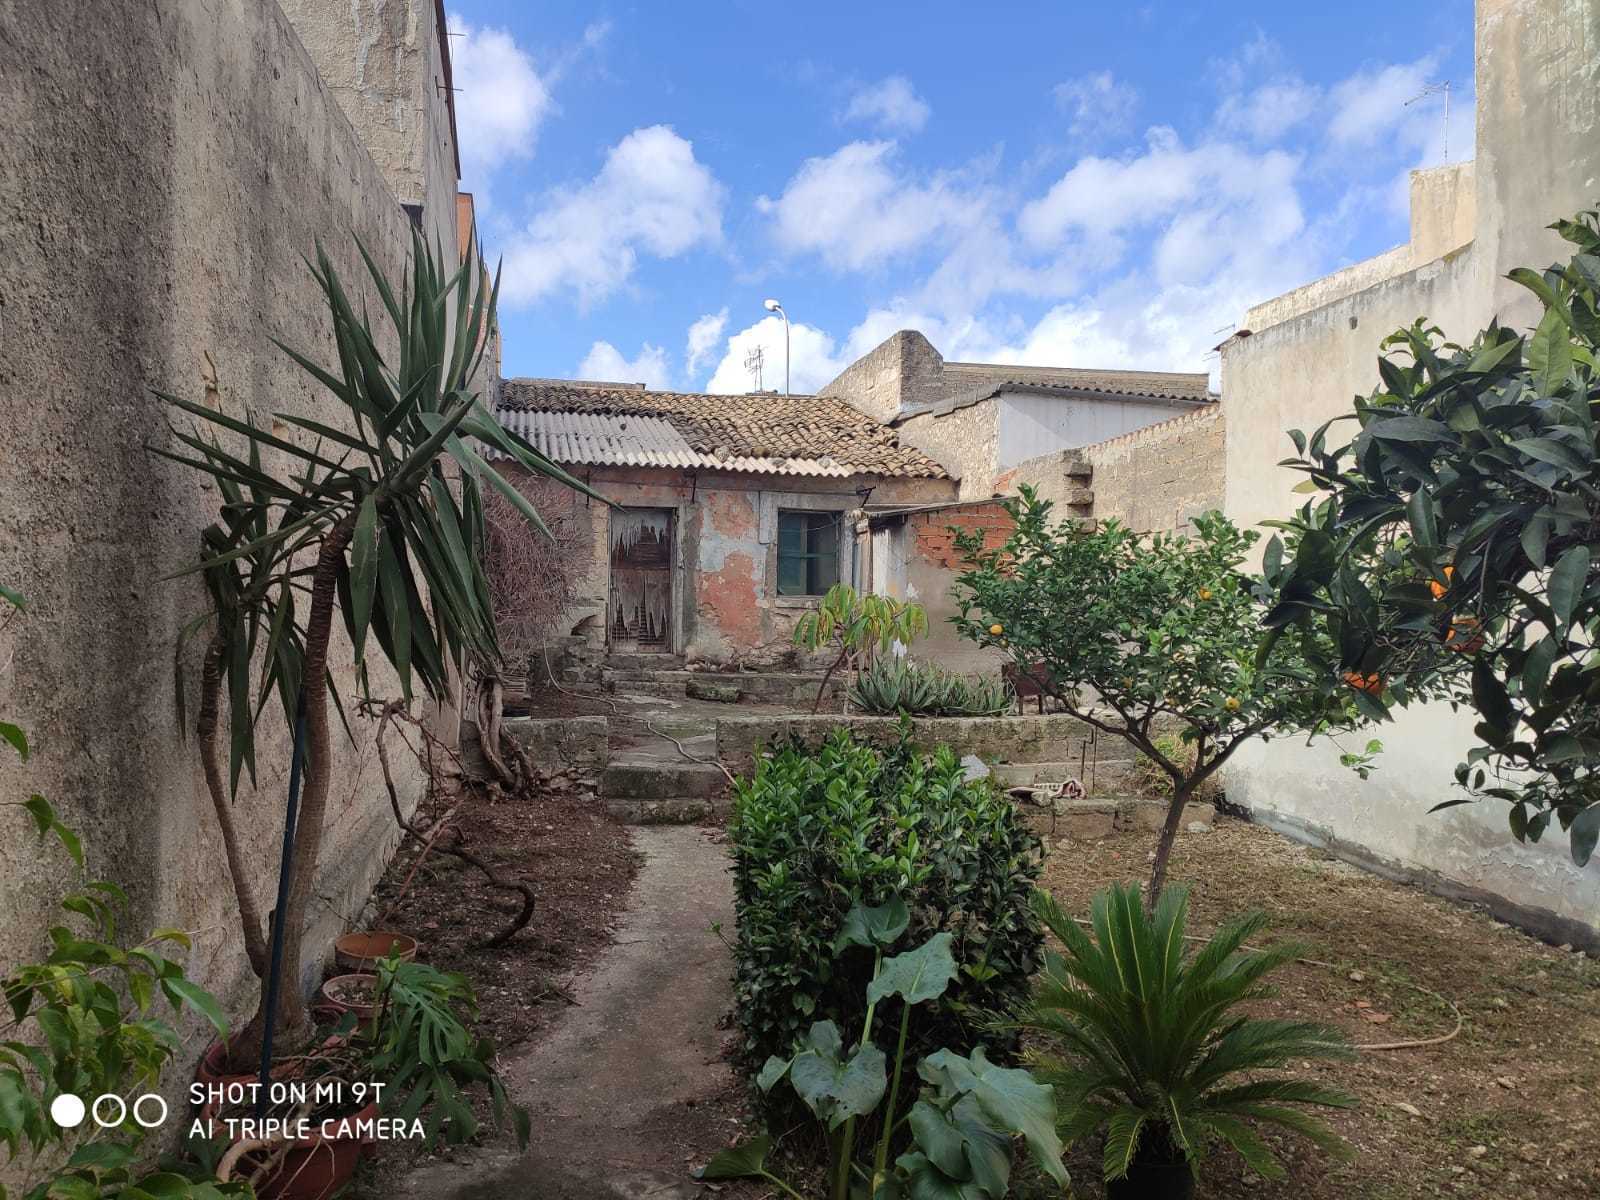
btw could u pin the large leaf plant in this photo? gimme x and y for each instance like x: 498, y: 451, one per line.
x: 378, y: 514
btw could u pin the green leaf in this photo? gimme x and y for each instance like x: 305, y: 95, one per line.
x: 364, y: 569
x: 181, y: 992
x: 1567, y: 580
x: 1585, y: 832
x: 16, y: 737
x: 1550, y: 351
x: 1016, y: 1102
x: 917, y: 975
x: 836, y: 1089
x: 1408, y: 429
x: 873, y: 927
x: 741, y: 1162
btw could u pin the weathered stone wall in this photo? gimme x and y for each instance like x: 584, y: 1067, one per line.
x: 168, y: 166
x: 1309, y: 352
x: 901, y: 371
x: 963, y: 442
x: 726, y: 553
x: 1157, y: 478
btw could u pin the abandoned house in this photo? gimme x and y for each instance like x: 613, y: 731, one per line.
x: 738, y: 511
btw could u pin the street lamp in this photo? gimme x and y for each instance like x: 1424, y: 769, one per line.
x: 774, y: 306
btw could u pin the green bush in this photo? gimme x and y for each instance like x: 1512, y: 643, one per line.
x: 892, y: 685
x: 817, y: 831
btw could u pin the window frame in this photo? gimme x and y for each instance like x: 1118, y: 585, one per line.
x: 812, y: 522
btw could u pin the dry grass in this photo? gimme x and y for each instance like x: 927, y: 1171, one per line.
x: 1518, y: 1081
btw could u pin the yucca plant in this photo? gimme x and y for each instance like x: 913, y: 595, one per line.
x: 1143, y: 1038
x: 360, y: 515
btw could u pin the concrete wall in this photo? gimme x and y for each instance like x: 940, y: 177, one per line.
x: 1029, y: 424
x: 1157, y: 478
x: 168, y: 166
x: 725, y: 553
x: 1309, y: 352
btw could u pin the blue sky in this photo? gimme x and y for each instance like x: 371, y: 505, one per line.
x: 1058, y: 184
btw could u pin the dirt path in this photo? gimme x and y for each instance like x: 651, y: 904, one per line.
x: 629, y: 1088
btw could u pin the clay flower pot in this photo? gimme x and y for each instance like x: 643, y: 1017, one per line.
x: 315, y: 1168
x: 360, y: 951
x: 355, y: 993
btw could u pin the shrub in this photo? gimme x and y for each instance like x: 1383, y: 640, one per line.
x: 1142, y: 1038
x: 894, y: 685
x: 816, y: 832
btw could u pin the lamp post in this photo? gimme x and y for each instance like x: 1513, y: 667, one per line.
x: 774, y: 306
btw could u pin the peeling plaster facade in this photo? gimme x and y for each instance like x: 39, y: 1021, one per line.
x: 726, y: 607
x: 1308, y: 352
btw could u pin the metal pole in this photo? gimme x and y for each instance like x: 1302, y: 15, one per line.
x: 785, y: 317
x: 285, y: 864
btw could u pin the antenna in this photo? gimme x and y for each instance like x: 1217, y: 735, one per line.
x: 1433, y: 89
x: 752, y: 363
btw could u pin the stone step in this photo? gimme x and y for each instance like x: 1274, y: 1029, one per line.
x: 635, y: 780
x: 630, y: 661
x: 677, y: 811
x: 761, y: 687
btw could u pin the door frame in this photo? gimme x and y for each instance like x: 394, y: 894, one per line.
x: 673, y: 632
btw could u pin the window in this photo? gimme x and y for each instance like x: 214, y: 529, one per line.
x: 808, y: 552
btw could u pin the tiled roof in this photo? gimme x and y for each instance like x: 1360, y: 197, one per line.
x: 1162, y: 385
x: 766, y: 433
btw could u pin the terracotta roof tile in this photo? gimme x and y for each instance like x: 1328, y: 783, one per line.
x: 760, y: 432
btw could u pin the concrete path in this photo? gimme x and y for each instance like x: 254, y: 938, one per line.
x: 608, y: 1084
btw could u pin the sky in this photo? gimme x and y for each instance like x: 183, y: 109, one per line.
x: 1069, y: 184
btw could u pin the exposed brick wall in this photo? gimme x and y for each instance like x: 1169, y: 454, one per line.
x: 1156, y: 478
x: 933, y: 540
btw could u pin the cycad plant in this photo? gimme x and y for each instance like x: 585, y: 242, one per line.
x: 1142, y: 1038
x: 361, y: 515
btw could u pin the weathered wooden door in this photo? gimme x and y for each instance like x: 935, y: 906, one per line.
x: 641, y: 580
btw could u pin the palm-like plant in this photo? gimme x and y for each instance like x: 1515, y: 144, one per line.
x: 364, y: 518
x: 1140, y: 1037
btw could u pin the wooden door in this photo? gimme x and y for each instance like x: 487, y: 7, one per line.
x: 641, y: 580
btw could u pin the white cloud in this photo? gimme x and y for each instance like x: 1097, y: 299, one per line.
x: 1371, y: 104
x: 1266, y: 113
x: 812, y: 360
x: 1101, y: 196
x: 652, y: 196
x: 856, y: 211
x: 502, y: 101
x: 1097, y: 104
x: 605, y: 363
x: 703, y: 337
x: 891, y: 104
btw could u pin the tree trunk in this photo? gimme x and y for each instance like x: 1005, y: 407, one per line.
x: 292, y: 1028
x: 255, y: 946
x: 1169, y: 832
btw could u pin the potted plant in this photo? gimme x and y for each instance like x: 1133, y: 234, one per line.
x: 360, y: 950
x: 355, y: 993
x: 1140, y: 1039
x: 415, y: 1046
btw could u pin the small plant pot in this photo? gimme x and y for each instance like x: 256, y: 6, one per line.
x: 314, y: 1168
x: 361, y: 951
x: 356, y: 993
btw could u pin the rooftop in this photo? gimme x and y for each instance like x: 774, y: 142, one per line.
x: 612, y: 424
x: 967, y: 383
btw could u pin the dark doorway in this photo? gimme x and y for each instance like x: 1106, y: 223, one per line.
x: 641, y: 580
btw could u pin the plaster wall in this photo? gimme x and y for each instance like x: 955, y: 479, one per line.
x: 725, y: 560
x: 1029, y: 424
x: 1308, y: 353
x: 170, y: 165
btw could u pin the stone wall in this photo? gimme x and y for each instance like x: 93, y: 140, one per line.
x: 902, y: 371
x: 1299, y: 360
x: 727, y: 609
x: 1157, y: 478
x: 962, y: 441
x: 169, y: 165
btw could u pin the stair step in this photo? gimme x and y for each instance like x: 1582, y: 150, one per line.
x: 643, y: 662
x: 662, y: 781
x: 676, y: 811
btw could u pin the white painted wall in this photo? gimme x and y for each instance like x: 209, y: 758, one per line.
x: 1031, y: 425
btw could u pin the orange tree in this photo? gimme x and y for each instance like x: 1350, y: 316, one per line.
x: 1133, y: 633
x: 1454, y: 551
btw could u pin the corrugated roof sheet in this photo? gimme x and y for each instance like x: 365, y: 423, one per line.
x: 761, y: 433
x: 1164, y: 385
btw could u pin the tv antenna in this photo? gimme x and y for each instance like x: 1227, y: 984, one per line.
x: 1433, y: 89
x: 752, y: 363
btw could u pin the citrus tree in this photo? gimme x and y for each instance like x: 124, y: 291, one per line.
x: 1133, y: 633
x: 1454, y: 550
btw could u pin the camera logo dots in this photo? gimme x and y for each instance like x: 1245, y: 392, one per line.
x: 109, y: 1111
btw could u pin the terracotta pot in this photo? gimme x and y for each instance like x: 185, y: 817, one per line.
x: 361, y: 951
x: 315, y: 1168
x: 335, y: 994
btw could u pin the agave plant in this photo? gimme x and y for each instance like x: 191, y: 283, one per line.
x: 891, y: 685
x: 359, y: 516
x: 1142, y: 1038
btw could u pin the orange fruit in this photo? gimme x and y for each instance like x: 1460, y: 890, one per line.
x: 1231, y: 704
x: 1465, y: 635
x: 1205, y: 593
x: 996, y: 629
x: 1439, y: 589
x: 1372, y: 685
